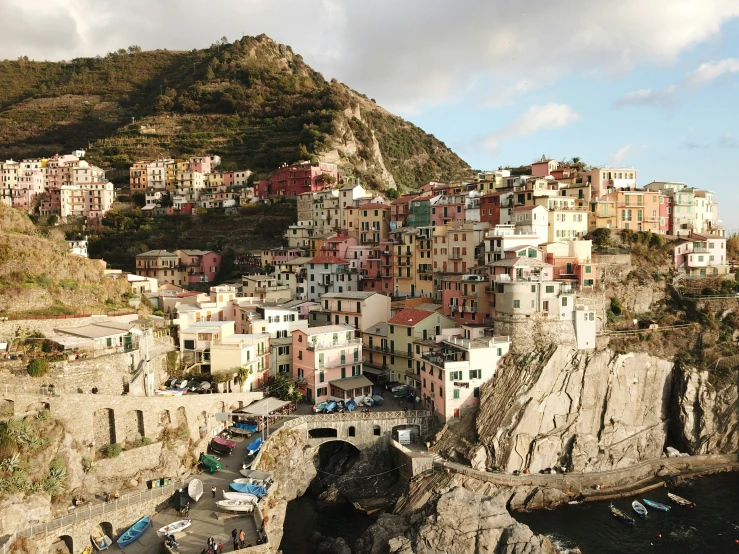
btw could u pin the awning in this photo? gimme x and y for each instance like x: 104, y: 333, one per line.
x: 351, y: 383
x: 264, y: 407
x: 374, y: 370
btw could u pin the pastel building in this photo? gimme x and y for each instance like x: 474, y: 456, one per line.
x: 326, y: 274
x: 326, y: 361
x: 701, y: 256
x: 608, y: 179
x: 358, y: 309
x: 454, y: 366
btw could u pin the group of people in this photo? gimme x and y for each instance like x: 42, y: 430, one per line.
x: 239, y: 538
x: 214, y: 547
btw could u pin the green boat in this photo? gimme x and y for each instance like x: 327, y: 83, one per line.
x: 210, y: 463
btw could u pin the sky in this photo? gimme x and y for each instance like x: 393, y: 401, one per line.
x: 649, y: 84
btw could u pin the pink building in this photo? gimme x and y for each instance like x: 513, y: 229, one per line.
x: 299, y: 178
x: 544, y: 167
x: 228, y: 178
x: 327, y: 363
x: 447, y: 209
x: 376, y: 271
x: 465, y: 298
x: 201, y: 266
x: 200, y: 165
x: 338, y: 245
x: 665, y: 214
x: 701, y: 256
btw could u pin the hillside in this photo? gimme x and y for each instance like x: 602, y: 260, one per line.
x: 253, y: 102
x: 39, y: 277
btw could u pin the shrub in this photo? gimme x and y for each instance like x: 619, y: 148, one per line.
x: 113, y: 450
x: 88, y: 465
x: 616, y: 306
x: 38, y: 367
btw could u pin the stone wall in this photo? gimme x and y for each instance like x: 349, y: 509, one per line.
x: 529, y: 332
x: 409, y: 463
x: 47, y: 326
x: 96, y: 418
x: 131, y: 462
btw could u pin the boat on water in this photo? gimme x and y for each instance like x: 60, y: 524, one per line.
x: 210, y: 463
x: 172, y: 528
x: 249, y: 489
x: 195, y: 489
x: 639, y: 508
x: 243, y: 496
x: 235, y: 505
x: 134, y: 532
x: 621, y: 516
x: 100, y: 540
x: 679, y: 500
x: 656, y: 505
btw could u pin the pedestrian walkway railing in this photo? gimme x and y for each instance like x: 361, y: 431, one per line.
x: 88, y: 511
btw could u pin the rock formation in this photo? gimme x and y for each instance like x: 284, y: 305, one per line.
x: 454, y: 520
x: 586, y: 410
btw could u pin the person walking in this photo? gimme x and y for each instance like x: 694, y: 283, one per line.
x: 213, y: 490
x: 187, y: 510
x: 242, y: 538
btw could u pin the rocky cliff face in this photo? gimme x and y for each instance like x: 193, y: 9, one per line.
x: 705, y: 413
x: 453, y: 516
x: 589, y: 410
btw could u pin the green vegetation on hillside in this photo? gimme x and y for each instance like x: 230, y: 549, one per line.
x: 38, y: 276
x: 253, y: 102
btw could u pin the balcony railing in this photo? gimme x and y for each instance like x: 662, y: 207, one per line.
x: 329, y: 345
x: 451, y: 360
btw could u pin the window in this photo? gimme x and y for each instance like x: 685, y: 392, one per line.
x: 321, y: 377
x: 455, y: 375
x: 456, y: 393
x: 588, y: 269
x: 300, y: 338
x: 516, y: 303
x: 441, y: 392
x: 323, y: 391
x: 189, y: 344
x: 550, y: 289
x: 392, y: 329
x: 475, y: 374
x: 476, y: 392
x: 564, y: 301
x: 300, y: 354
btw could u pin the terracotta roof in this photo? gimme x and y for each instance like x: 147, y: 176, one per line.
x: 327, y: 260
x: 189, y: 293
x: 374, y: 206
x: 404, y: 199
x: 410, y: 316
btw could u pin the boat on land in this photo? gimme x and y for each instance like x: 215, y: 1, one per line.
x: 222, y: 446
x: 170, y: 392
x: 254, y: 447
x: 235, y: 505
x: 241, y: 431
x: 246, y: 426
x: 134, y: 532
x: 172, y: 528
x: 639, y: 508
x: 210, y: 463
x: 100, y: 540
x: 256, y: 490
x: 243, y: 496
x: 195, y: 489
x: 679, y: 500
x: 621, y: 516
x: 656, y: 505
x: 254, y: 474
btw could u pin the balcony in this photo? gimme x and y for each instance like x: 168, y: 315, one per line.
x: 329, y: 345
x: 455, y: 256
x: 452, y: 360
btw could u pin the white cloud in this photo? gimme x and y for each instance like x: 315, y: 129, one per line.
x: 536, y: 118
x: 713, y: 70
x: 647, y: 97
x: 409, y: 54
x: 621, y: 153
x: 727, y: 140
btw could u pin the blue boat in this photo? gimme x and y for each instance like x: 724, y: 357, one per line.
x: 254, y: 447
x: 330, y: 407
x: 621, y: 516
x: 134, y: 532
x: 351, y: 406
x: 249, y: 489
x: 657, y: 505
x: 246, y: 427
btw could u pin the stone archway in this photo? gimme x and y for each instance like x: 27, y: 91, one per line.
x: 100, y: 531
x: 103, y: 427
x: 133, y: 426
x: 63, y: 545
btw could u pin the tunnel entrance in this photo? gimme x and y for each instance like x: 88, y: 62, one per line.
x: 337, y: 457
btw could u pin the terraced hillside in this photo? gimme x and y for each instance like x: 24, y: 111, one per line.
x: 254, y: 102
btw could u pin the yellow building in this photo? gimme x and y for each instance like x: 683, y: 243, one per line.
x: 369, y: 223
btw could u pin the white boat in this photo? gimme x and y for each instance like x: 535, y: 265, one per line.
x: 172, y: 528
x: 235, y: 505
x: 679, y: 500
x: 195, y: 489
x: 169, y: 392
x: 243, y: 496
x: 254, y: 474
